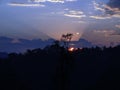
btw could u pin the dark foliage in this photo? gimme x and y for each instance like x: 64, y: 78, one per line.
x: 54, y: 68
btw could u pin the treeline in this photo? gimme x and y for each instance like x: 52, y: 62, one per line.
x: 56, y: 68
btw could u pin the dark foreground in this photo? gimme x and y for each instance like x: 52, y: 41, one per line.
x: 54, y: 68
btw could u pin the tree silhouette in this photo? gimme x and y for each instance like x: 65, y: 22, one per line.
x: 66, y: 38
x: 56, y: 43
x: 56, y: 69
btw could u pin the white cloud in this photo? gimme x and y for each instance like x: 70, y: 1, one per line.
x: 54, y: 1
x: 104, y: 31
x: 75, y: 14
x: 98, y: 7
x: 37, y: 3
x: 26, y: 5
x: 100, y: 17
x: 116, y: 15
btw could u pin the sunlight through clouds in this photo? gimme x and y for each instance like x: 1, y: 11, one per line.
x: 55, y: 17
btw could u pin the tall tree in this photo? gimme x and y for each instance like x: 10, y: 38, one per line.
x: 66, y: 39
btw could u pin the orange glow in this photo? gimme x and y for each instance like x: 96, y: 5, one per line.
x: 77, y: 33
x: 71, y: 49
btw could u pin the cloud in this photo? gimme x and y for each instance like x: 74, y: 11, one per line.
x: 53, y: 1
x: 98, y: 7
x: 106, y: 33
x: 79, y: 22
x: 100, y: 17
x: 70, y: 13
x: 26, y: 5
x: 114, y: 12
x: 37, y: 3
x: 117, y: 26
x: 109, y: 10
x: 114, y: 3
x: 75, y: 14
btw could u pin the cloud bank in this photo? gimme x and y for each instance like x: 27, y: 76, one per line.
x: 109, y: 10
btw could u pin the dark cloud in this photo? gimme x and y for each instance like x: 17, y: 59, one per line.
x: 114, y: 3
x: 113, y: 7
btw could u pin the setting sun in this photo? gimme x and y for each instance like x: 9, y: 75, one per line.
x: 77, y: 33
x: 71, y: 49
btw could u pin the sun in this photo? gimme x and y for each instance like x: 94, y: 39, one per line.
x: 77, y: 33
x: 71, y: 49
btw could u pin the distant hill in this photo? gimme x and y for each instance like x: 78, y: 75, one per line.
x: 3, y: 55
x: 21, y: 45
x: 82, y: 43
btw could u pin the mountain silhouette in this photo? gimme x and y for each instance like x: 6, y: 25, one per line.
x: 21, y: 45
x: 82, y: 43
x: 3, y: 55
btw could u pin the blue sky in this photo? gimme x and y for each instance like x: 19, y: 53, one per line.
x: 98, y: 21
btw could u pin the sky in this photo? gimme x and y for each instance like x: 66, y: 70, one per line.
x: 97, y: 21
